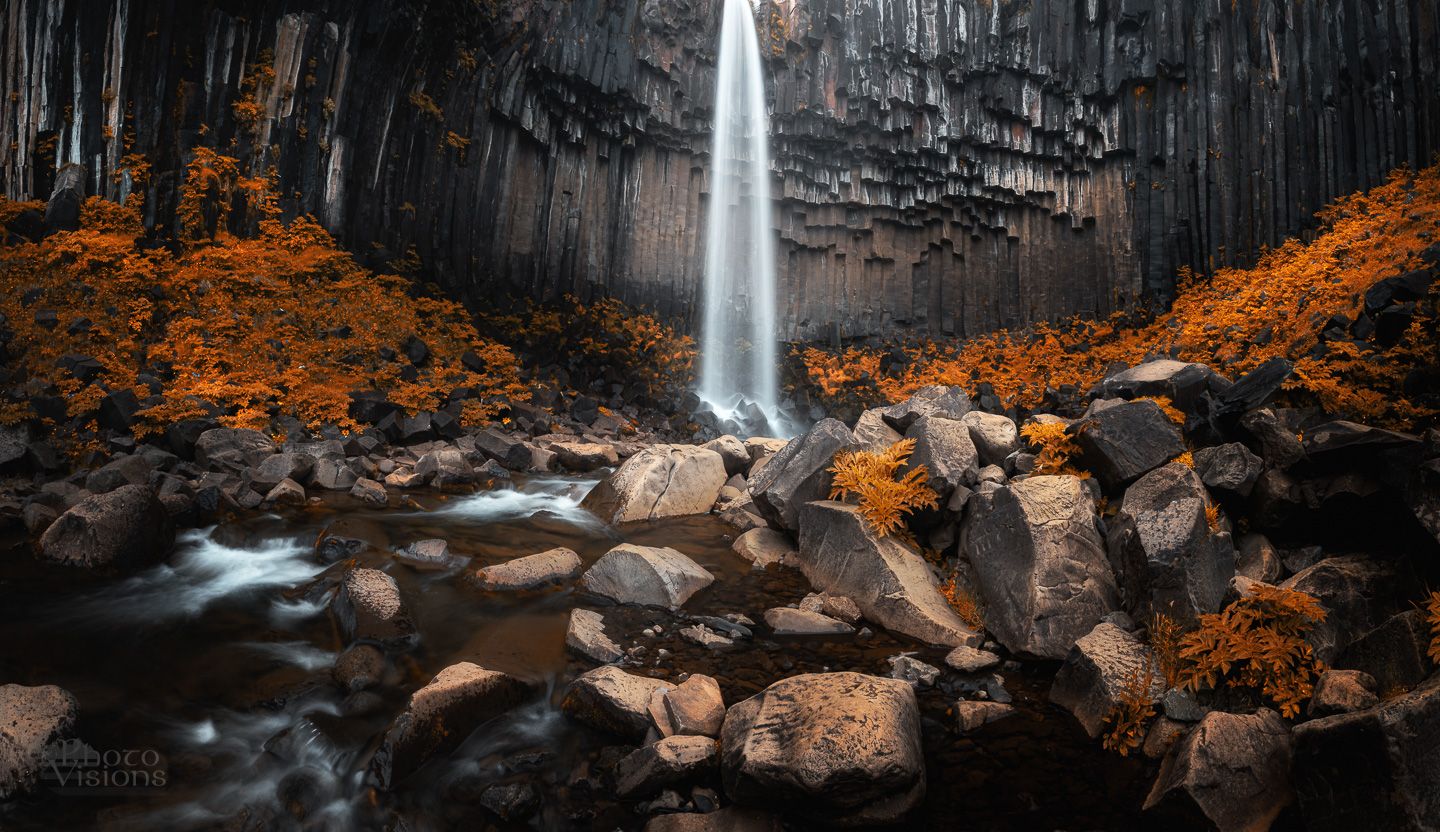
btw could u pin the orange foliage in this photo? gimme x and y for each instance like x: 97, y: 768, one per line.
x: 1125, y: 724
x: 1432, y: 615
x: 963, y: 601
x: 283, y: 322
x: 1054, y: 446
x: 884, y: 500
x: 1234, y: 321
x: 1164, y: 638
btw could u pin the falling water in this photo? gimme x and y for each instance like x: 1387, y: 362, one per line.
x: 738, y: 363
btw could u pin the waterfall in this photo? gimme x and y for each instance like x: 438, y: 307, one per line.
x: 738, y: 364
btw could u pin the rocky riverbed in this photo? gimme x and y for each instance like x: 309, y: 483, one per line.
x: 577, y: 625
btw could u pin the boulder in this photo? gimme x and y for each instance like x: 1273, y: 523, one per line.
x: 872, y: 433
x: 971, y: 715
x: 648, y: 575
x: 440, y: 715
x: 585, y: 637
x: 1181, y: 382
x: 971, y: 660
x: 445, y: 468
x: 1232, y: 771
x: 668, y: 762
x: 995, y: 436
x: 282, y: 466
x: 660, y: 481
x: 611, y: 700
x: 586, y: 456
x: 889, y: 581
x: 763, y: 547
x: 1164, y: 554
x: 732, y: 451
x: 1040, y: 565
x: 800, y: 473
x: 1098, y: 671
x: 1342, y: 692
x: 829, y: 748
x: 1357, y: 593
x: 429, y: 554
x: 131, y: 469
x: 1230, y: 468
x: 555, y: 566
x: 369, y: 608
x: 232, y: 449
x: 31, y: 718
x: 1378, y: 768
x: 361, y: 666
x: 369, y: 491
x: 1257, y: 559
x: 123, y: 529
x: 695, y: 707
x: 1279, y: 445
x: 286, y: 492
x: 1392, y: 654
x: 1121, y: 443
x: 728, y: 819
x: 333, y: 474
x: 935, y: 400
x: 944, y: 447
x: 788, y: 621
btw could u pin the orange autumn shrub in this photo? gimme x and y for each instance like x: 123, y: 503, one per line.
x: 1234, y: 321
x: 1126, y: 721
x: 884, y: 498
x: 278, y: 322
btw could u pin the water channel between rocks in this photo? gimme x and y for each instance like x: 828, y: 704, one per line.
x: 219, y: 660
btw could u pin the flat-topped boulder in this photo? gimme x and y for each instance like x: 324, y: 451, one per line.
x: 649, y: 575
x: 889, y: 581
x: 122, y: 529
x: 585, y: 637
x: 369, y: 608
x: 660, y: 481
x: 763, y: 547
x: 611, y: 700
x: 1124, y: 441
x: 548, y: 568
x: 1231, y: 769
x: 585, y: 456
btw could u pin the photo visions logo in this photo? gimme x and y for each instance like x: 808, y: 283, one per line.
x: 72, y: 767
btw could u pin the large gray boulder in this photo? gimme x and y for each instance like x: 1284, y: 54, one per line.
x: 946, y: 450
x: 548, y: 568
x: 660, y: 481
x: 1040, y: 564
x: 1231, y: 770
x: 1181, y: 382
x: 1160, y: 543
x: 1122, y: 442
x: 369, y: 608
x: 31, y: 718
x: 664, y: 763
x: 763, y: 547
x: 122, y: 529
x: 873, y: 433
x: 440, y: 715
x: 1358, y: 594
x: 648, y: 575
x: 1230, y: 467
x: 1098, y: 672
x: 282, y: 466
x: 996, y: 437
x: 935, y: 400
x: 831, y: 748
x: 445, y: 468
x: 889, y: 581
x: 232, y: 449
x: 799, y: 473
x: 1378, y: 768
x: 611, y: 700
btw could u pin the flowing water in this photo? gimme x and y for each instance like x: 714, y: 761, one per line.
x: 217, y: 666
x: 738, y: 364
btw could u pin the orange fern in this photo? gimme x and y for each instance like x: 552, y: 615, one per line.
x: 884, y: 500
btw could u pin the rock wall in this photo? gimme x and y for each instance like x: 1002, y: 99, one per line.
x: 949, y: 166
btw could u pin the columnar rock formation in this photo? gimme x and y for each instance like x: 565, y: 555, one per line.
x: 944, y: 165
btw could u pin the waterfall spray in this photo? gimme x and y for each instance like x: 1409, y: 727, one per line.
x: 738, y: 369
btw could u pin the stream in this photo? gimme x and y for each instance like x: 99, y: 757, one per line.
x: 213, y: 672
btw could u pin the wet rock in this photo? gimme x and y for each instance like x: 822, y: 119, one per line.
x: 706, y: 637
x: 763, y: 547
x: 429, y: 554
x: 888, y: 581
x: 971, y: 660
x: 648, y: 575
x: 1040, y: 564
x: 370, y: 492
x: 799, y: 473
x: 787, y: 621
x: 1231, y: 468
x: 935, y: 400
x: 660, y: 481
x: 1378, y: 768
x: 585, y: 637
x: 359, y: 667
x: 1233, y: 770
x: 1097, y: 672
x: 511, y: 802
x: 971, y: 715
x: 369, y: 608
x: 839, y: 748
x: 286, y: 493
x: 37, y: 517
x: 1342, y: 692
x: 440, y: 715
x: 124, y: 529
x: 555, y: 566
x: 611, y: 700
x: 445, y: 468
x: 1165, y: 555
x: 995, y: 437
x: 1393, y: 654
x: 872, y: 433
x: 944, y: 447
x: 696, y: 707
x: 732, y: 451
x: 1257, y: 559
x: 669, y: 762
x: 31, y: 718
x: 1119, y: 444
x: 1356, y: 592
x: 232, y: 449
x: 909, y: 669
x: 332, y: 474
x: 585, y: 456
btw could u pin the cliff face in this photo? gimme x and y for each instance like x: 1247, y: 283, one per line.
x: 945, y: 165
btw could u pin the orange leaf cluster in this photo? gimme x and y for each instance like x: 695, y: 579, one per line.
x: 281, y: 322
x: 871, y: 477
x: 1432, y: 615
x: 1054, y: 448
x: 963, y: 601
x: 1234, y: 321
x: 1125, y: 724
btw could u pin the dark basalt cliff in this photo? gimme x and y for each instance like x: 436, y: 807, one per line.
x: 946, y: 165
